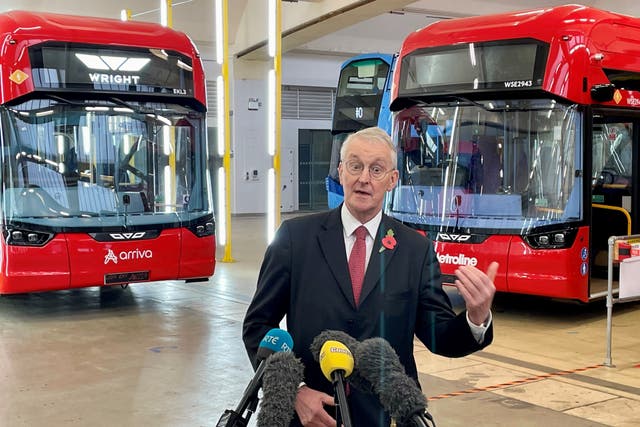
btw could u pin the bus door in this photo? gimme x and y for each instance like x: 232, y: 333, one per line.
x: 613, y: 173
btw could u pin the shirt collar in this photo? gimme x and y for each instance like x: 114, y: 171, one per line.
x: 349, y: 223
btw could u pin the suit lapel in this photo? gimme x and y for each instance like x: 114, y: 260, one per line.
x: 331, y: 241
x: 379, y: 259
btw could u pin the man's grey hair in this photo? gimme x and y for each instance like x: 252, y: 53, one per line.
x: 373, y: 135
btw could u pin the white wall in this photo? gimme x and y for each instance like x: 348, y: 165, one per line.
x: 311, y: 70
x: 249, y: 139
x: 250, y: 161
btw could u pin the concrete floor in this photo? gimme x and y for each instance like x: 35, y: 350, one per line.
x: 170, y: 354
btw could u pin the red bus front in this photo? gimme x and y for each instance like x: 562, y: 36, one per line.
x: 104, y: 155
x: 514, y: 137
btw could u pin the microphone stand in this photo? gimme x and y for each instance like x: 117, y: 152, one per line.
x: 341, y: 397
x: 231, y: 418
x: 427, y: 416
x: 423, y: 420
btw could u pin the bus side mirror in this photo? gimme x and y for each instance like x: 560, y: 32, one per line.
x: 602, y: 92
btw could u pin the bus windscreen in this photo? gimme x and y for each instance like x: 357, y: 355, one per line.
x: 359, y: 94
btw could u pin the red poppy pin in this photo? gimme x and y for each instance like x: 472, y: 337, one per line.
x: 388, y: 241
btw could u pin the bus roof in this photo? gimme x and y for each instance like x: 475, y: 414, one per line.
x: 589, y: 49
x: 543, y: 24
x: 21, y: 30
x: 386, y: 57
x: 86, y: 29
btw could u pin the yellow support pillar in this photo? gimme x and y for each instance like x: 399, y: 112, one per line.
x: 125, y: 15
x: 166, y: 13
x: 277, y: 67
x: 274, y: 83
x: 222, y: 43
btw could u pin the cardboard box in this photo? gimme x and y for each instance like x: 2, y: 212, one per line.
x: 629, y: 286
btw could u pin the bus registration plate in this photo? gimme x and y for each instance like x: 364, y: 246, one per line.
x: 121, y: 278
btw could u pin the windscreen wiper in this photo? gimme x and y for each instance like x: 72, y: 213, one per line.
x: 470, y: 101
x: 64, y: 100
x: 138, y: 108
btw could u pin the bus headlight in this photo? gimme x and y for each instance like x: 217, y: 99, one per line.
x: 22, y: 237
x: 203, y: 227
x: 552, y: 240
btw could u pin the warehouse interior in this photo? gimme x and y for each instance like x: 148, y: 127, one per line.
x: 171, y: 353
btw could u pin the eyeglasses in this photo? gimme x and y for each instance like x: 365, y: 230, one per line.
x: 356, y: 168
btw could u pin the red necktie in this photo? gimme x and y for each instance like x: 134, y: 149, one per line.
x: 357, y: 261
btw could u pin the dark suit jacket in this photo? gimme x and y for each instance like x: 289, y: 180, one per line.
x: 305, y: 276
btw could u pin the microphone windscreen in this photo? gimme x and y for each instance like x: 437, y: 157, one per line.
x: 376, y: 357
x: 355, y: 379
x: 332, y: 335
x: 335, y: 356
x: 399, y: 394
x: 274, y: 341
x: 283, y: 372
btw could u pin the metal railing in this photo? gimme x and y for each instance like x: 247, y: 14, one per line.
x: 610, y: 299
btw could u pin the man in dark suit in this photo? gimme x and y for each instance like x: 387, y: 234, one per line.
x: 306, y: 277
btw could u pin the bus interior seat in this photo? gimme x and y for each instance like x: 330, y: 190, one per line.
x: 411, y: 144
x: 33, y: 201
x: 423, y: 175
x: 49, y: 180
x: 95, y: 198
x: 548, y: 174
x: 490, y: 165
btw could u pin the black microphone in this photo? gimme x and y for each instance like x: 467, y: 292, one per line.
x: 332, y: 335
x: 276, y: 340
x: 336, y: 363
x: 355, y: 379
x: 399, y: 394
x: 283, y: 372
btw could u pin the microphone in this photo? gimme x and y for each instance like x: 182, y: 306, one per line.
x: 282, y: 374
x: 274, y: 341
x: 355, y: 379
x: 399, y: 394
x: 332, y: 335
x: 336, y: 363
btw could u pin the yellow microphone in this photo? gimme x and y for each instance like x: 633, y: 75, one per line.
x: 336, y: 363
x: 335, y: 356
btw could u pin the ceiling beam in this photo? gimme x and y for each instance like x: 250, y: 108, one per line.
x: 315, y: 20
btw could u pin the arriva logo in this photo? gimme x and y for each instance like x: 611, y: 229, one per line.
x: 110, y: 257
x: 128, y: 255
x: 460, y: 259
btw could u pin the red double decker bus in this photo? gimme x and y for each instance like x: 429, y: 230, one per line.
x: 104, y: 154
x: 518, y: 139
